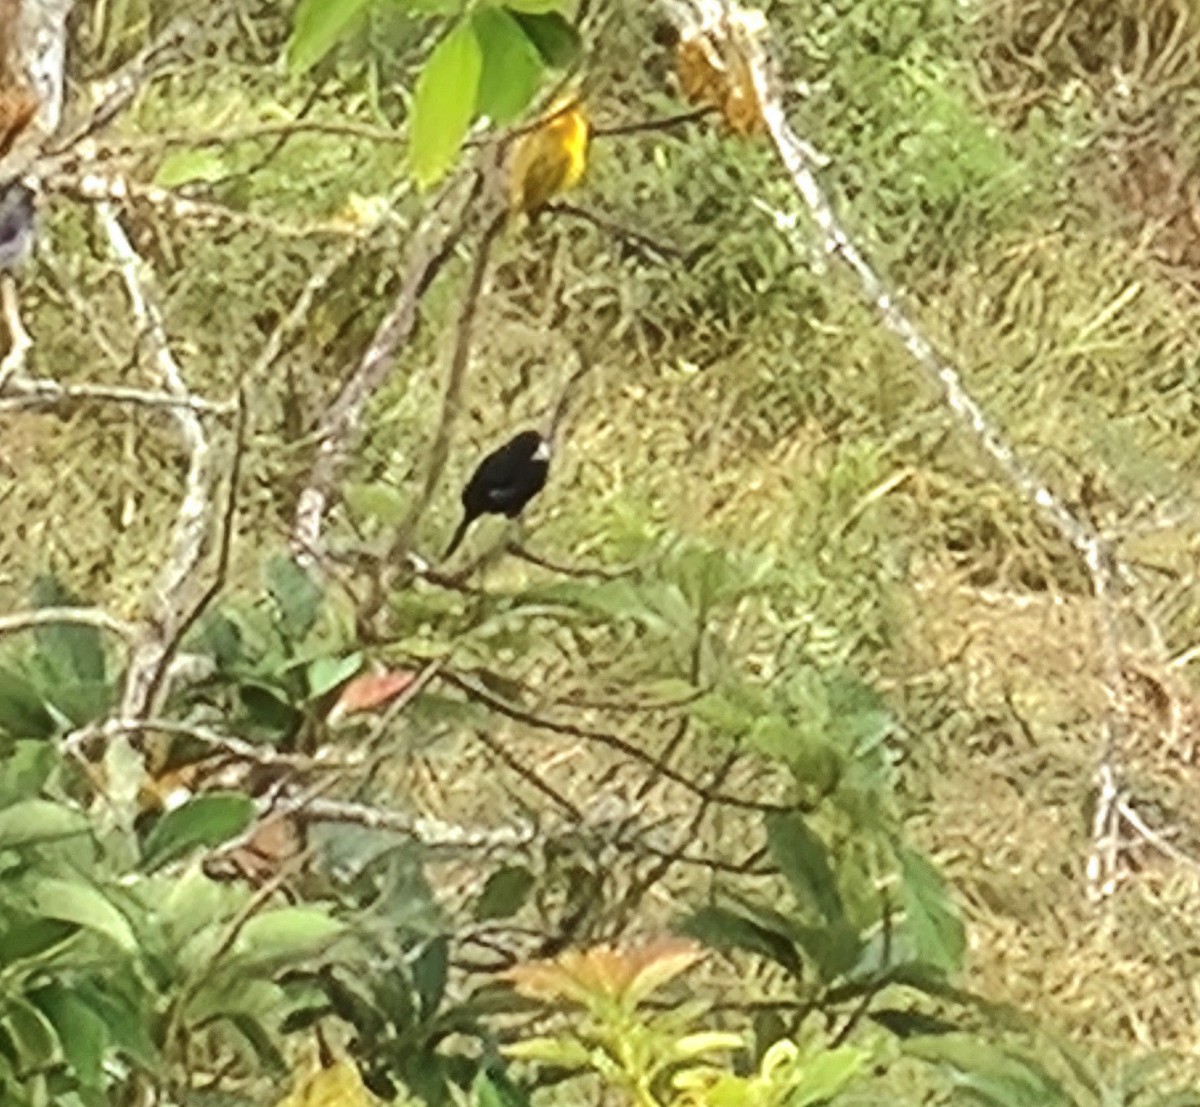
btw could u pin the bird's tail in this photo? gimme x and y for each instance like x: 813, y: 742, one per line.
x: 459, y: 535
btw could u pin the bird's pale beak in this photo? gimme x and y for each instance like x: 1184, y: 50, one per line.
x: 542, y: 453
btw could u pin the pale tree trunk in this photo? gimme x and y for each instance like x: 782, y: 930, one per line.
x: 33, y: 48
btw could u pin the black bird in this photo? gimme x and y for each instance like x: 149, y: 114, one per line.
x: 504, y: 481
x: 16, y: 223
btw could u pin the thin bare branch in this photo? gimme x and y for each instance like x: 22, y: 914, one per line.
x: 80, y: 616
x: 434, y: 244
x: 19, y: 342
x: 744, y: 34
x: 194, y: 516
x: 33, y: 392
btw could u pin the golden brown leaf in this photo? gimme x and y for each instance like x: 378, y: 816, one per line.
x: 626, y: 976
x: 550, y: 158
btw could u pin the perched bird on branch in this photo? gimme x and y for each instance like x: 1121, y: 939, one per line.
x: 504, y: 481
x: 17, y: 224
x: 548, y: 159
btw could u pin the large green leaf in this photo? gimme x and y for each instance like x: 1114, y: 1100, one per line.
x: 804, y: 861
x: 27, y: 940
x: 73, y: 649
x: 81, y: 1030
x: 826, y: 1074
x: 83, y: 904
x: 990, y: 1075
x: 283, y: 935
x: 206, y: 820
x: 505, y: 893
x: 123, y: 1006
x: 326, y: 673
x: 25, y: 770
x: 723, y: 928
x: 38, y: 820
x: 297, y: 597
x: 23, y: 713
x: 444, y: 102
x: 318, y: 26
x: 512, y: 65
x: 430, y: 971
x: 931, y: 920
x: 555, y: 38
x: 31, y: 1035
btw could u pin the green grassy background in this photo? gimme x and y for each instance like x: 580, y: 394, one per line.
x: 1023, y: 172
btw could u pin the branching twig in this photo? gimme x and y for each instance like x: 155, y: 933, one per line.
x: 191, y: 617
x: 195, y: 510
x: 743, y: 34
x: 477, y: 692
x: 434, y: 245
x: 439, y: 452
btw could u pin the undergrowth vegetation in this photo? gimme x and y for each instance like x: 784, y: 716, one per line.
x: 758, y: 768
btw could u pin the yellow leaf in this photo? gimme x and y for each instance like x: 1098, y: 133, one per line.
x: 550, y: 158
x: 340, y: 1085
x: 706, y: 1041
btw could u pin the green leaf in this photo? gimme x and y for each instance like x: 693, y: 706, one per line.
x: 555, y: 38
x: 560, y: 1052
x: 81, y: 701
x: 505, y: 893
x: 804, y: 861
x: 376, y: 500
x: 443, y: 103
x: 430, y: 971
x: 930, y: 918
x: 432, y: 7
x: 512, y: 66
x: 266, y: 1052
x: 221, y: 637
x: 826, y: 1074
x: 182, y: 167
x: 123, y: 1008
x: 318, y: 27
x: 82, y: 1032
x: 73, y: 649
x: 993, y: 1076
x: 206, y: 820
x: 284, y: 935
x: 83, y: 904
x: 29, y: 940
x: 297, y: 597
x: 38, y: 820
x: 535, y: 6
x: 24, y: 772
x: 326, y: 673
x: 496, y: 1090
x: 33, y: 1038
x: 268, y: 709
x: 23, y: 713
x: 723, y: 929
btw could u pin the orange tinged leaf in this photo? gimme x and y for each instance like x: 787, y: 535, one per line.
x: 719, y: 79
x: 604, y: 972
x: 370, y: 692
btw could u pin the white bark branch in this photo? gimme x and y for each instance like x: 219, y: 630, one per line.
x: 194, y: 514
x: 742, y: 37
